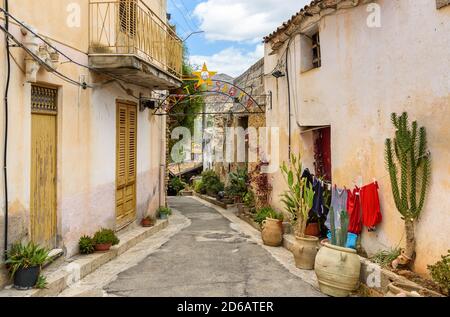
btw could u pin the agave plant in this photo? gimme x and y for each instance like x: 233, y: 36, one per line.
x: 22, y: 256
x: 298, y: 200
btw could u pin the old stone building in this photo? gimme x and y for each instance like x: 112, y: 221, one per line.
x: 242, y: 117
x: 341, y: 68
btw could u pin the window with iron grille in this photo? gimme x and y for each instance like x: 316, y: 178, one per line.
x: 44, y: 100
x: 127, y: 16
x: 317, y: 61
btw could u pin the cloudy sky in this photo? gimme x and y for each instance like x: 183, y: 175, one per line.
x: 233, y: 29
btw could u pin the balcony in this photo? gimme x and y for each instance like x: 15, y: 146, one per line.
x: 128, y: 40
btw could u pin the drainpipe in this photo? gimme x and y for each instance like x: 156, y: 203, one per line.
x: 5, y: 151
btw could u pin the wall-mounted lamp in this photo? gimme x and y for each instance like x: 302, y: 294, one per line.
x: 145, y: 103
x: 278, y: 74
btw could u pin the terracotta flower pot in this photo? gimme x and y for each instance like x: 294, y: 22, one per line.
x: 103, y: 247
x: 272, y: 232
x: 146, y: 223
x: 313, y: 230
x: 305, y: 250
x: 338, y: 270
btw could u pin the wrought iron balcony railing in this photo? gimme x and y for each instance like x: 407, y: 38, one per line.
x: 130, y: 27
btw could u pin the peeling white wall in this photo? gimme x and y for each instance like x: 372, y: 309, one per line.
x: 366, y: 74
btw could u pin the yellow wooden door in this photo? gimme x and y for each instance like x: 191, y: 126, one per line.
x: 126, y: 163
x: 43, y: 225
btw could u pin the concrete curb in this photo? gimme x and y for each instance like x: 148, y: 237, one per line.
x: 81, y: 266
x: 213, y: 201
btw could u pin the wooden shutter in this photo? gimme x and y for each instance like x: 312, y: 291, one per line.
x: 131, y: 135
x: 121, y: 145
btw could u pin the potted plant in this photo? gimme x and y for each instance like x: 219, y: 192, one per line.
x: 337, y: 267
x: 176, y: 185
x: 298, y: 201
x: 164, y: 212
x: 272, y: 226
x: 104, y: 239
x: 147, y: 222
x: 24, y: 264
x: 86, y: 245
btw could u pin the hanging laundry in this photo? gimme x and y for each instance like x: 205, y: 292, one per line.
x: 339, y: 204
x: 370, y: 204
x: 307, y: 174
x: 318, y: 197
x: 354, y: 211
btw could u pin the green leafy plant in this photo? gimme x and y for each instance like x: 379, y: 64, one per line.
x: 249, y: 199
x: 198, y: 186
x: 165, y: 211
x: 211, y: 184
x: 22, y: 256
x: 238, y: 183
x: 298, y: 200
x: 176, y: 185
x: 409, y: 165
x: 440, y: 272
x: 385, y: 257
x: 267, y: 212
x: 106, y: 236
x: 41, y: 282
x: 86, y: 245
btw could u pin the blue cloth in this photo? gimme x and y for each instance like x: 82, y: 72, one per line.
x: 352, y: 240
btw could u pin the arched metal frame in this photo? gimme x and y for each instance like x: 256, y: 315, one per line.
x: 233, y: 99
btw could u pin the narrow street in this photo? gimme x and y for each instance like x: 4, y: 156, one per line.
x: 207, y: 257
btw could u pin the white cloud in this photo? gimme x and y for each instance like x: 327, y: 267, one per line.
x: 231, y: 61
x: 244, y: 20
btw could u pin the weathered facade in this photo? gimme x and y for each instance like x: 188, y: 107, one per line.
x: 252, y: 83
x: 373, y: 58
x: 81, y: 159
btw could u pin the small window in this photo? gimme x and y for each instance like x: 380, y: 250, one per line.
x: 310, y: 50
x: 317, y: 61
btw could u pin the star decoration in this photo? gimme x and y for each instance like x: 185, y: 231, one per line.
x: 204, y: 76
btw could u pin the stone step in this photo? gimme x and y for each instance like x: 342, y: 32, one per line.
x: 74, y: 269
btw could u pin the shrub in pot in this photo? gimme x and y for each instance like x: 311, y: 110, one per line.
x: 298, y: 201
x: 272, y: 226
x: 104, y: 239
x: 86, y: 245
x: 24, y: 264
x: 164, y: 212
x: 337, y: 267
x: 249, y: 202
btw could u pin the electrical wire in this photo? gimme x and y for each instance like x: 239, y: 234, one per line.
x: 183, y: 16
x: 41, y: 62
x: 45, y: 41
x: 5, y: 150
x: 189, y: 16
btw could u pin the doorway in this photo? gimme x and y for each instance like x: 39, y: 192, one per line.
x: 126, y: 163
x: 43, y: 217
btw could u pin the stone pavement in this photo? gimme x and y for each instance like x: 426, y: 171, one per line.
x: 201, y: 253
